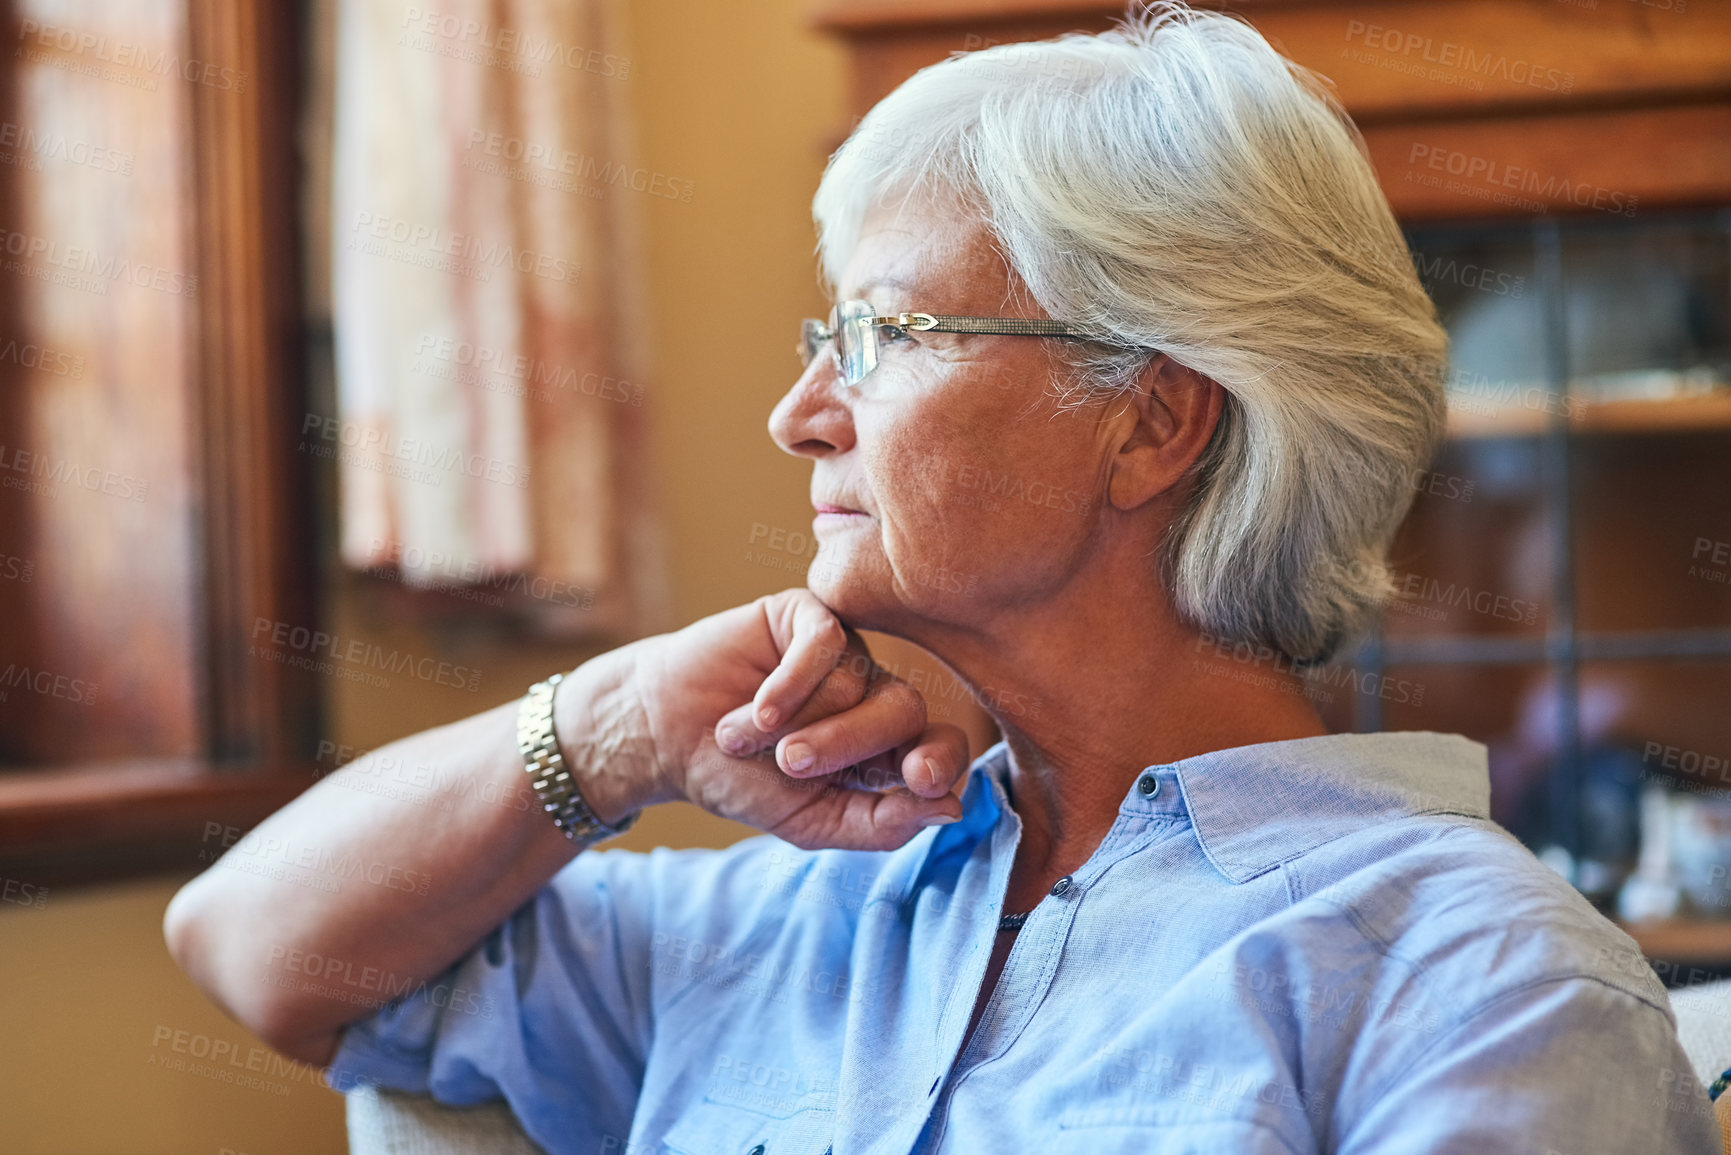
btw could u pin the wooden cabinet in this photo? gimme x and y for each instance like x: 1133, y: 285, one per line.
x: 1464, y: 104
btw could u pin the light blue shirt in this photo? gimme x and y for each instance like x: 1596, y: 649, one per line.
x: 1317, y: 945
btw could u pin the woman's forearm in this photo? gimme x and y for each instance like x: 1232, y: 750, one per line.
x: 391, y: 868
x: 354, y: 894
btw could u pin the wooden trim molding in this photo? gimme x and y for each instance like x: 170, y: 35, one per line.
x: 104, y: 821
x: 258, y: 540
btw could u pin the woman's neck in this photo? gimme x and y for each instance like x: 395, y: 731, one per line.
x: 1086, y: 705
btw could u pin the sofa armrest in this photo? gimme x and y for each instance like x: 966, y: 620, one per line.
x: 393, y: 1123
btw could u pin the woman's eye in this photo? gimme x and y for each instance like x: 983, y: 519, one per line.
x: 895, y: 333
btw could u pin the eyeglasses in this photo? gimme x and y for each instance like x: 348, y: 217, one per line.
x: 858, y: 334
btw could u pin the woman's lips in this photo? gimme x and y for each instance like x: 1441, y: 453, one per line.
x: 823, y: 508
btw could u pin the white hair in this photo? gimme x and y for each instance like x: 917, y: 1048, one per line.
x: 1179, y: 185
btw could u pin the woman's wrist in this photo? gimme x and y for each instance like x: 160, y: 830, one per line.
x: 604, y: 736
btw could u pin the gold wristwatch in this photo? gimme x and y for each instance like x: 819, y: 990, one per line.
x: 550, y: 776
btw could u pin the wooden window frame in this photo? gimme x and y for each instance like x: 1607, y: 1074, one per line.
x: 102, y: 821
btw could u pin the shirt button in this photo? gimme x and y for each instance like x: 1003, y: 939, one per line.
x: 1149, y: 785
x: 1061, y: 887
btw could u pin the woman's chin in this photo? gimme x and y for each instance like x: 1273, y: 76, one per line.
x: 849, y: 589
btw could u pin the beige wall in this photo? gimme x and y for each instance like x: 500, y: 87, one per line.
x: 738, y: 97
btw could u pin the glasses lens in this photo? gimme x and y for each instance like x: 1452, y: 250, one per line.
x: 812, y: 335
x: 856, y: 340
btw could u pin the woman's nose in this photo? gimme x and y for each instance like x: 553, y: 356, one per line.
x: 813, y: 418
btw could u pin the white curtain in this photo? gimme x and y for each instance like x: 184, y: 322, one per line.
x: 486, y: 302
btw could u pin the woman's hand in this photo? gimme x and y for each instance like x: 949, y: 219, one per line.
x: 775, y: 715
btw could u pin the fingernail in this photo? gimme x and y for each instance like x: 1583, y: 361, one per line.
x: 767, y: 717
x: 799, y: 756
x: 932, y: 773
x: 732, y: 740
x: 937, y: 820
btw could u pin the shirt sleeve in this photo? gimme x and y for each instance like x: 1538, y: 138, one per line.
x: 551, y: 1012
x: 1565, y: 1067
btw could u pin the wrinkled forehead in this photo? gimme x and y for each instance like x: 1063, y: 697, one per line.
x: 928, y: 254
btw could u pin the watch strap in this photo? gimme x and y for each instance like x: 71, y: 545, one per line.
x: 549, y: 774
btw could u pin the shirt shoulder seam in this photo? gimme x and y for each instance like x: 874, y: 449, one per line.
x: 1479, y: 1011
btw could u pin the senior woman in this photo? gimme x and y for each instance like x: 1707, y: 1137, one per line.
x: 1126, y: 334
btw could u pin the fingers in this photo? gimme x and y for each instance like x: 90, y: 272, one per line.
x: 884, y: 743
x: 812, y: 640
x: 857, y: 820
x: 843, y: 674
x: 890, y: 714
x: 938, y: 762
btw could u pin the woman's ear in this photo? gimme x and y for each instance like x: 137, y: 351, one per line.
x: 1176, y: 410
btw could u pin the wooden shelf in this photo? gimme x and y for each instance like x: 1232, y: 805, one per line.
x: 1699, y: 942
x: 1705, y: 411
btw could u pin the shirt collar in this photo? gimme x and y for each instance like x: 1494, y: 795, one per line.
x: 1255, y: 807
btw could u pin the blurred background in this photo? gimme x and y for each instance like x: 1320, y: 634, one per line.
x: 362, y: 363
